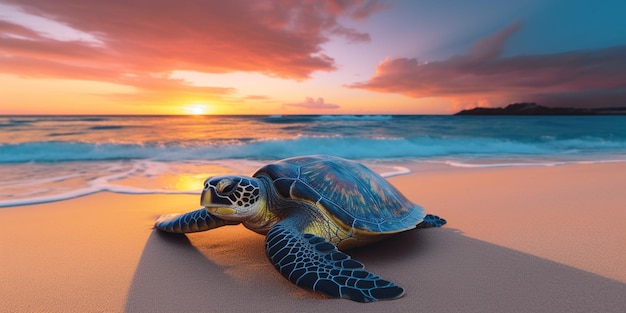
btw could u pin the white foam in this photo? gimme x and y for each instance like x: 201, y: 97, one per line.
x: 90, y: 186
x: 274, y: 148
x: 84, y: 192
x: 355, y: 117
x: 495, y: 163
x: 395, y: 171
x: 136, y: 177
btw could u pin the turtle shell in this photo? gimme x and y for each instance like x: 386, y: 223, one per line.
x: 347, y: 192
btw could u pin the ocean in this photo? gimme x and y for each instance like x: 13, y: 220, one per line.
x: 53, y: 158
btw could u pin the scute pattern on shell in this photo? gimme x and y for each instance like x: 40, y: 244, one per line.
x: 348, y: 191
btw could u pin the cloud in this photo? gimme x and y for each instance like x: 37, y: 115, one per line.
x: 484, y: 76
x: 147, y: 41
x: 18, y: 31
x: 280, y: 38
x: 256, y: 97
x: 362, y: 11
x: 312, y: 104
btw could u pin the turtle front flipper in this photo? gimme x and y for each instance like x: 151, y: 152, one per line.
x: 191, y: 222
x: 314, y: 263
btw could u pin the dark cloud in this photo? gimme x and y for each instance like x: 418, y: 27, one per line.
x: 592, y: 78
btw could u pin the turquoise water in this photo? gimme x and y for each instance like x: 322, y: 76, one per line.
x: 46, y: 158
x: 63, y: 139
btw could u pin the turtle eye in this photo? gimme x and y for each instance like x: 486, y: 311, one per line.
x: 229, y: 189
x: 226, y: 186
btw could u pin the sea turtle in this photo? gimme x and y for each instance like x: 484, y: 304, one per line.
x: 309, y: 207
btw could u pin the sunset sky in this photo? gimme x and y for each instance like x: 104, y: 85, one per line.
x: 308, y: 57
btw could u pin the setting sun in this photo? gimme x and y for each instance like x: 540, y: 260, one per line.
x: 196, y: 109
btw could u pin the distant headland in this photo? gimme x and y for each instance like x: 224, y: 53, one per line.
x: 527, y: 108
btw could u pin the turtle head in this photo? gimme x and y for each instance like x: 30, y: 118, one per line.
x: 234, y: 198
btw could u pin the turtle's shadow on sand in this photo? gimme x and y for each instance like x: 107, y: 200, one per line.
x: 440, y: 269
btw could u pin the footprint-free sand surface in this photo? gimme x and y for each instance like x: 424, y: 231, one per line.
x: 518, y: 239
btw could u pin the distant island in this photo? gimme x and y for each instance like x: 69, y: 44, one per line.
x: 535, y: 109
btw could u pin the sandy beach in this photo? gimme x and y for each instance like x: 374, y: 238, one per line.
x: 518, y: 239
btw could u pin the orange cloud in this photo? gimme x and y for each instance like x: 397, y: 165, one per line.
x: 578, y: 78
x: 280, y: 38
x: 139, y: 43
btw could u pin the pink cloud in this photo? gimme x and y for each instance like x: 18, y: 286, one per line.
x: 361, y: 11
x: 8, y: 29
x: 140, y: 42
x: 310, y: 103
x: 484, y: 76
x: 280, y: 38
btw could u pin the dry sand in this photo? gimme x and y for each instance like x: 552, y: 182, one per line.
x: 528, y: 239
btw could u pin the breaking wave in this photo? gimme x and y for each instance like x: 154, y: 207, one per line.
x: 347, y: 147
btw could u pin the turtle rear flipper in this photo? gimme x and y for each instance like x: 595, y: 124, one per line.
x: 191, y: 222
x: 431, y: 221
x: 314, y: 263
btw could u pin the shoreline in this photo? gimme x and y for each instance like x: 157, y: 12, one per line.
x: 132, y: 181
x: 541, y: 239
